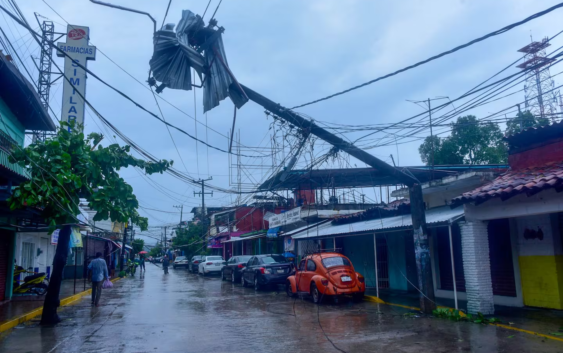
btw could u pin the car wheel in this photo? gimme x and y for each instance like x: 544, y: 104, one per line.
x: 288, y: 290
x: 257, y: 286
x: 315, y: 294
x: 242, y: 281
x: 233, y: 278
x: 223, y: 276
x: 358, y: 297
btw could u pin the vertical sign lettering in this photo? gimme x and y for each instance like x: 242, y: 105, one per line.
x: 79, y: 52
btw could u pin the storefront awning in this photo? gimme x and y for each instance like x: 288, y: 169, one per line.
x: 434, y: 217
x: 245, y: 238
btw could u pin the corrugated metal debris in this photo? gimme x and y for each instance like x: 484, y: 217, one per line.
x: 194, y: 45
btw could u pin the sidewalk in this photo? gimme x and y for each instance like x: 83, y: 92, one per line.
x: 20, y: 305
x: 544, y: 321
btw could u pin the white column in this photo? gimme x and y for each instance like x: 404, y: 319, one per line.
x: 477, y: 267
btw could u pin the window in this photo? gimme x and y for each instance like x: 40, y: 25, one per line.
x: 273, y: 259
x: 28, y: 255
x: 243, y: 258
x: 311, y: 265
x: 335, y: 261
x: 302, y: 266
x: 214, y: 258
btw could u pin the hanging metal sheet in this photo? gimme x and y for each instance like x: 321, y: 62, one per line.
x: 195, y: 46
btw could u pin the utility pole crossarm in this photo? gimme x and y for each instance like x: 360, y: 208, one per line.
x: 334, y: 140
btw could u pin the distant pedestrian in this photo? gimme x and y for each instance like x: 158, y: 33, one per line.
x: 98, y: 269
x: 142, y: 262
x: 165, y: 264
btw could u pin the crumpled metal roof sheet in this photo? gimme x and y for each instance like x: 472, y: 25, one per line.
x: 433, y: 216
x: 174, y: 57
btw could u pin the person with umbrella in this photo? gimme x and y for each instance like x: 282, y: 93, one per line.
x: 142, y: 260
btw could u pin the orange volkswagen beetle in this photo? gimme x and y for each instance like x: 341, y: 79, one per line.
x: 326, y: 274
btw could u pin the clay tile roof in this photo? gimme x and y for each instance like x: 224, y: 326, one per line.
x: 514, y: 182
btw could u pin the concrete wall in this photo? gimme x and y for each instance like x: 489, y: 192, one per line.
x: 360, y: 250
x: 541, y: 261
x: 40, y: 240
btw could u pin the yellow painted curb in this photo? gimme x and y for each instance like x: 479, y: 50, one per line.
x: 375, y: 299
x: 527, y: 331
x: 9, y: 324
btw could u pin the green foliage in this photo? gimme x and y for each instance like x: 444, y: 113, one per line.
x: 470, y: 142
x: 156, y: 251
x: 138, y: 245
x: 190, y: 240
x: 526, y: 120
x: 70, y: 166
x: 122, y: 274
x: 456, y: 315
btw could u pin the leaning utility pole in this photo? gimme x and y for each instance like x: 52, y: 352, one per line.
x: 422, y: 252
x: 181, y: 207
x: 203, y: 193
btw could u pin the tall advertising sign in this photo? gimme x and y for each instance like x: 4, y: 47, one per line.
x: 78, y: 50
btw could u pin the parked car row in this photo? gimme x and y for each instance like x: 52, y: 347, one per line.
x: 319, y: 275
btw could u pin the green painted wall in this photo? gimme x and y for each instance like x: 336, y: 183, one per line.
x: 359, y: 249
x: 10, y: 124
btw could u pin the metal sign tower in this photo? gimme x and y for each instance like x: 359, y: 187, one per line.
x: 541, y: 99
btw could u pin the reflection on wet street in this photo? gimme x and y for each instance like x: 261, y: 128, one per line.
x: 183, y: 312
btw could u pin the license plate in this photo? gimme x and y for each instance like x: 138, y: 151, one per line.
x: 346, y: 279
x: 217, y: 264
x: 281, y: 271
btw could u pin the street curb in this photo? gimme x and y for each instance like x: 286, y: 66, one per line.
x: 7, y: 325
x: 375, y: 299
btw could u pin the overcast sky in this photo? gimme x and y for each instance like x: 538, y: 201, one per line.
x: 292, y: 52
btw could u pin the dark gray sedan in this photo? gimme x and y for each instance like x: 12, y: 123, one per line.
x: 233, y: 269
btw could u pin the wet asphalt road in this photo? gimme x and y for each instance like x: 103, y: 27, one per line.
x: 182, y: 312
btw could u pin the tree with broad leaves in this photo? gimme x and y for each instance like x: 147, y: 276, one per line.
x: 523, y: 121
x: 65, y: 168
x: 137, y: 245
x: 470, y: 142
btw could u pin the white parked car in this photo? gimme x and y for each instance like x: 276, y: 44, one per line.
x: 210, y: 264
x: 181, y: 261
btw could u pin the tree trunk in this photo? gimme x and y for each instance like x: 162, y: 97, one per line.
x: 52, y: 302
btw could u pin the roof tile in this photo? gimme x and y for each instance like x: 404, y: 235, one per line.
x: 517, y: 182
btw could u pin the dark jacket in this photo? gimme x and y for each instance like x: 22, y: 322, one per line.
x: 166, y: 262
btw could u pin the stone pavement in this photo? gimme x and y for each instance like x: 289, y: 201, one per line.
x: 183, y: 312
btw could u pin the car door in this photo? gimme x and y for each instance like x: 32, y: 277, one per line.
x: 299, y: 273
x: 247, y: 271
x: 305, y: 279
x: 229, y: 268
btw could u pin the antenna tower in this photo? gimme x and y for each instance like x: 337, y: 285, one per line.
x: 541, y: 99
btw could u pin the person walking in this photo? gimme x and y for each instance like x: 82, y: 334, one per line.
x: 165, y: 264
x: 142, y: 262
x: 98, y: 270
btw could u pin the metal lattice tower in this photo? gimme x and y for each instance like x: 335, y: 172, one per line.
x: 44, y: 81
x: 541, y: 99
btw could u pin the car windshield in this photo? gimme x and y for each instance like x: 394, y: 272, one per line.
x: 214, y: 258
x: 180, y: 258
x: 244, y: 258
x: 335, y: 261
x: 273, y: 259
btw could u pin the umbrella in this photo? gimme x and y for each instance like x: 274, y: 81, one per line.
x: 288, y: 254
x: 143, y: 252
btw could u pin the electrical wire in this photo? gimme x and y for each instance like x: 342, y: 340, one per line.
x: 477, y: 40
